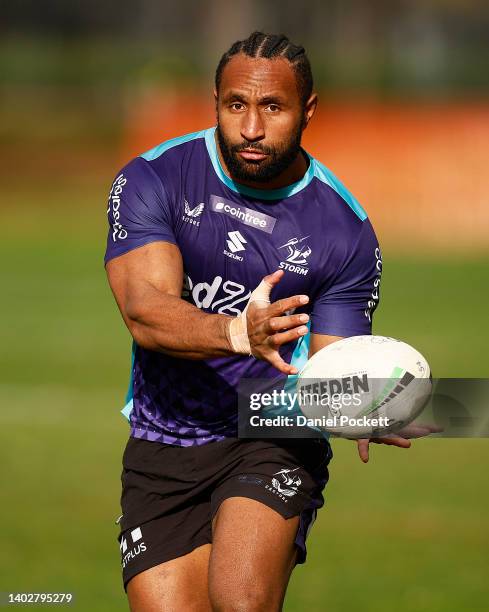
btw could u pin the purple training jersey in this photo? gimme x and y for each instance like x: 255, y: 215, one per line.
x: 230, y: 237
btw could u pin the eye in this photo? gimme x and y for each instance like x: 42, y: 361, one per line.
x: 273, y: 108
x: 237, y: 106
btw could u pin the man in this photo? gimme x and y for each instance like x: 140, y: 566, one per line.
x: 229, y: 252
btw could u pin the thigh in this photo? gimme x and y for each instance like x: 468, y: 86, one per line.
x: 253, y: 554
x: 179, y: 584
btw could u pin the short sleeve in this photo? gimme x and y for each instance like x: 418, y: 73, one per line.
x: 139, y: 210
x: 344, y: 306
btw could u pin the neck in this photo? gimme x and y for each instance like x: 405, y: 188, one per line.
x: 290, y: 175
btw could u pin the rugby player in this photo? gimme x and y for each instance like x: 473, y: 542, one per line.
x: 231, y: 253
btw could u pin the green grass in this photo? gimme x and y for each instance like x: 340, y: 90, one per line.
x: 405, y: 532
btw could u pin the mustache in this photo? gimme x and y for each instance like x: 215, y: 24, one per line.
x: 250, y: 146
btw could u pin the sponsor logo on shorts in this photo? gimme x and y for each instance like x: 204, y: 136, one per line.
x: 248, y: 216
x: 297, y: 253
x: 135, y: 540
x: 286, y: 485
x: 190, y: 215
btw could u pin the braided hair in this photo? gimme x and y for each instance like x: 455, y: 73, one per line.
x: 269, y: 46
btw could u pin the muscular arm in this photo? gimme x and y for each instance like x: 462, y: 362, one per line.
x: 147, y: 284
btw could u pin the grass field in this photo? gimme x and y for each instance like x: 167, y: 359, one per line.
x: 407, y: 532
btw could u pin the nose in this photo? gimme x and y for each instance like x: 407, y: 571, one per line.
x: 252, y: 128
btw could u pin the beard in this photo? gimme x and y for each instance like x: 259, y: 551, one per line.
x: 278, y: 158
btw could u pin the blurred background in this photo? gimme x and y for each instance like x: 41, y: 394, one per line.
x: 403, y: 121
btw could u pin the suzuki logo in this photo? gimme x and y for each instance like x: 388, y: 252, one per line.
x: 236, y: 242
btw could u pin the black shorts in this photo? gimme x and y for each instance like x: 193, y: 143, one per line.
x: 170, y: 494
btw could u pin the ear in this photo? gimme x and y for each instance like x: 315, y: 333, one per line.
x: 310, y: 108
x: 215, y: 100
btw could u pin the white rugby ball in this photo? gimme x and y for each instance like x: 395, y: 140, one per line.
x: 363, y: 386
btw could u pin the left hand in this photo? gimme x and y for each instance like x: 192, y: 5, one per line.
x: 401, y: 439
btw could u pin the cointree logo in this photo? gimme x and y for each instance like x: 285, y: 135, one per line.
x: 248, y: 216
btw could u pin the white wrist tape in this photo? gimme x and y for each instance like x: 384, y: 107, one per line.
x: 238, y: 326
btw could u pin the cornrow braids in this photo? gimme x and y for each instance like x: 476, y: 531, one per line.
x: 270, y: 46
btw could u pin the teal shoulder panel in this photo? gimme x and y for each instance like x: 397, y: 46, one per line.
x: 169, y: 144
x: 326, y: 176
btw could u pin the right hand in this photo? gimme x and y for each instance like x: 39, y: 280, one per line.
x: 268, y: 328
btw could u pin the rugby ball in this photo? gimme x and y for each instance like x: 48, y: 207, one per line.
x: 363, y: 386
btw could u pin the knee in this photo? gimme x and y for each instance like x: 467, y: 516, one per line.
x: 253, y: 598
